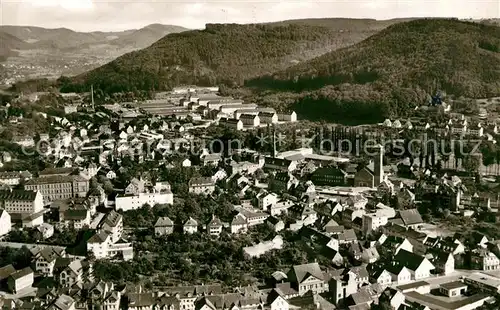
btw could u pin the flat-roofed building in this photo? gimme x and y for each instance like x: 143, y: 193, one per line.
x: 483, y: 281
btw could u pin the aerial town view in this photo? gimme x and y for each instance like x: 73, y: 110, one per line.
x: 209, y: 155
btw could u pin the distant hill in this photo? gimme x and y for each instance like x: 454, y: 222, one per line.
x: 63, y: 51
x: 389, y: 73
x: 51, y: 38
x: 146, y: 36
x: 63, y: 38
x: 9, y: 43
x: 228, y: 53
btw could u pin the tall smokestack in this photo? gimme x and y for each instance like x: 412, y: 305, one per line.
x: 274, y: 143
x: 92, y: 95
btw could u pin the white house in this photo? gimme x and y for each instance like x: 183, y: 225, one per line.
x: 20, y: 280
x: 112, y: 223
x: 266, y: 200
x: 277, y: 301
x: 204, y: 186
x: 132, y: 202
x: 46, y: 229
x: 419, y: 266
x: 191, y: 226
x: 5, y: 223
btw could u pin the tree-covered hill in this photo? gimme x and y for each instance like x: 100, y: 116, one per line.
x: 227, y: 53
x: 218, y: 54
x: 390, y: 72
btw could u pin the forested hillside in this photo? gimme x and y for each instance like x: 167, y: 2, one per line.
x: 392, y: 71
x: 220, y: 54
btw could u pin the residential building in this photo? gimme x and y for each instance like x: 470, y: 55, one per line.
x: 136, y: 201
x: 381, y: 276
x: 277, y: 301
x: 483, y: 259
x: 14, y: 178
x: 203, y: 186
x: 5, y: 223
x: 46, y: 229
x: 399, y: 273
x: 410, y: 218
x: 308, y: 277
x: 444, y: 262
x: 45, y: 260
x: 211, y: 159
x: 59, y: 187
x: 102, y: 247
x: 342, y: 285
x: 372, y: 221
x: 21, y: 201
x: 268, y: 117
x: 419, y: 266
x: 239, y: 224
x: 20, y: 280
x: 266, y: 200
x: 280, y: 164
x: 112, y: 223
x: 329, y: 176
x: 75, y: 218
x: 164, y: 226
x: 71, y: 273
x: 275, y: 223
x: 63, y: 302
x: 191, y: 226
x: 214, y: 228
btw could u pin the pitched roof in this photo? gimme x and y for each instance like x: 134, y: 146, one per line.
x: 99, y: 237
x: 164, y: 221
x: 48, y: 254
x: 348, y: 235
x: 411, y: 217
x: 112, y: 218
x: 408, y: 259
x: 6, y: 271
x: 201, y: 182
x: 21, y: 273
x: 239, y: 219
x: 75, y: 214
x: 300, y: 272
x: 215, y: 222
x: 19, y: 195
x: 191, y: 222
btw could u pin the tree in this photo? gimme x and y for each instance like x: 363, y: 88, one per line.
x: 471, y: 164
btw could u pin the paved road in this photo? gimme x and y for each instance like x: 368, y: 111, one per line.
x: 436, y: 281
x: 18, y: 245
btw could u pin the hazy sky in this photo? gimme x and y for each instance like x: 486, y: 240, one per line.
x: 89, y: 15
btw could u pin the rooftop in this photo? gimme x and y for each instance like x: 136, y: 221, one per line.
x: 17, y: 195
x: 453, y: 285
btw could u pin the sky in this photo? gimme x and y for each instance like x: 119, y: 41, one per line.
x: 114, y: 15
